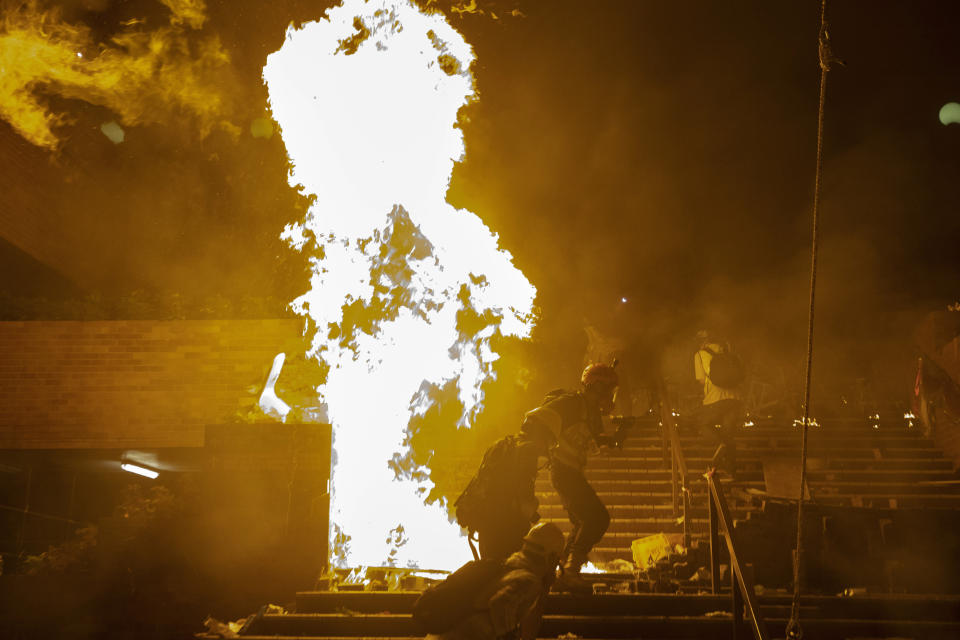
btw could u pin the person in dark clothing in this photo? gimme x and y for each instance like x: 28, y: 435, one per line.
x: 569, y: 425
x: 501, y: 535
x: 500, y: 502
x: 512, y: 606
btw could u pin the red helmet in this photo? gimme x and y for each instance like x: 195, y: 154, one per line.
x: 598, y: 373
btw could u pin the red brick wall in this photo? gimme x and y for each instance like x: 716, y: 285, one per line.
x: 131, y: 383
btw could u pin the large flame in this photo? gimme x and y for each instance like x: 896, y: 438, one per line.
x: 143, y: 75
x: 406, y: 291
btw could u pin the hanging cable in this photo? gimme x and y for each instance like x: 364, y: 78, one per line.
x: 794, y: 630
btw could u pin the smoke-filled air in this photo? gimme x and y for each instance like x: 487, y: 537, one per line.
x: 145, y: 74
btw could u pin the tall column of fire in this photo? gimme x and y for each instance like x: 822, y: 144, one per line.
x: 367, y: 100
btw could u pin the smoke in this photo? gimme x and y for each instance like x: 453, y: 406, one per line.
x: 191, y: 12
x: 644, y: 169
x: 144, y: 74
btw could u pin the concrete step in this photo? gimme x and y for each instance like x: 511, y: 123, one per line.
x: 834, y: 445
x: 714, y: 627
x: 626, y: 616
x: 602, y: 466
x: 644, y: 456
x: 894, y: 501
x: 624, y: 479
x: 640, y: 519
x: 930, y: 607
x: 631, y: 492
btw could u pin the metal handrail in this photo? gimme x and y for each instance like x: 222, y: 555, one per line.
x: 741, y: 584
x: 37, y: 514
x: 678, y: 462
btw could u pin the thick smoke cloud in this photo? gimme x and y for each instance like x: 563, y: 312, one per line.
x: 145, y: 74
x: 192, y: 198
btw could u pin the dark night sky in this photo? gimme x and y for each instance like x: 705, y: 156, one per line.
x: 661, y: 151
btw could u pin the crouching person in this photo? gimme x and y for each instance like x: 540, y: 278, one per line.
x: 490, y: 599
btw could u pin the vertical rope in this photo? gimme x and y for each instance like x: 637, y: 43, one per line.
x: 794, y: 631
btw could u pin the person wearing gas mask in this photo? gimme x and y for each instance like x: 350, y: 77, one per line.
x: 510, y: 604
x: 570, y: 426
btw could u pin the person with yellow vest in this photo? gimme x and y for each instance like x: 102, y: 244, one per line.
x: 570, y: 426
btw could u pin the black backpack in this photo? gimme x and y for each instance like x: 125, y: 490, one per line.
x: 484, y: 495
x: 726, y: 369
x: 465, y: 591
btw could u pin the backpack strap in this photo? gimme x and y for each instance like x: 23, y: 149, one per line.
x: 473, y: 548
x: 703, y: 365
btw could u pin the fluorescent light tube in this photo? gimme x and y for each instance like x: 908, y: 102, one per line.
x: 140, y: 471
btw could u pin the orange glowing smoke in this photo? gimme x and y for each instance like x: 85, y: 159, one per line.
x: 143, y: 75
x: 407, y: 292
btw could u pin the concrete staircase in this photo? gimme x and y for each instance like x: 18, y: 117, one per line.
x: 850, y: 463
x: 651, y: 617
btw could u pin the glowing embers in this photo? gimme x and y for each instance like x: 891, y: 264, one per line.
x: 891, y: 423
x: 380, y: 579
x: 908, y: 419
x: 811, y: 422
x: 407, y: 293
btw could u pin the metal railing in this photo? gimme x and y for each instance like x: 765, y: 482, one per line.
x: 741, y: 579
x: 679, y: 487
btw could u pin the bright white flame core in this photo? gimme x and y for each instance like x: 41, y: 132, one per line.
x: 369, y: 124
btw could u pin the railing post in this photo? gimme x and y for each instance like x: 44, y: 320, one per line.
x: 674, y: 489
x: 714, y: 543
x: 736, y: 604
x: 665, y: 442
x: 685, y: 492
x: 26, y: 510
x: 741, y: 574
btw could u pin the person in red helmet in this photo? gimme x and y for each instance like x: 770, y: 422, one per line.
x: 569, y: 425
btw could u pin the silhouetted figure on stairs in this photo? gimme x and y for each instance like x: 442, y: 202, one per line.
x: 722, y: 414
x: 570, y: 425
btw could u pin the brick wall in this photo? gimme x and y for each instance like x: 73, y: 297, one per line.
x: 131, y: 383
